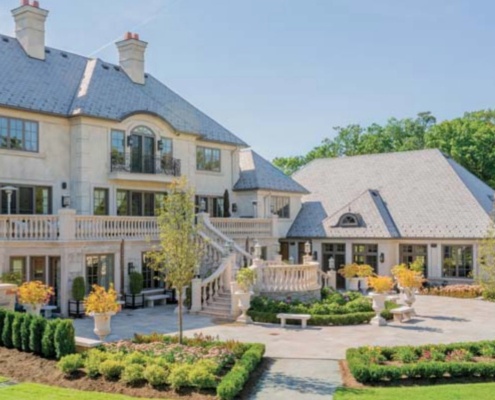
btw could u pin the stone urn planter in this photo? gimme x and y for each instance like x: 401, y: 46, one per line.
x: 363, y: 284
x: 353, y: 284
x: 102, y: 324
x: 409, y: 297
x: 244, y: 303
x: 33, y: 309
x: 378, y: 307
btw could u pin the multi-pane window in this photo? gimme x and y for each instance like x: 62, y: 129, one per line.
x: 281, y: 206
x: 167, y: 147
x: 208, y: 159
x: 100, y: 201
x: 118, y: 148
x: 18, y: 266
x: 366, y: 254
x: 99, y: 270
x: 26, y: 200
x: 213, y: 205
x: 150, y: 276
x: 37, y: 270
x: 410, y: 253
x: 18, y: 134
x: 139, y: 203
x: 457, y: 261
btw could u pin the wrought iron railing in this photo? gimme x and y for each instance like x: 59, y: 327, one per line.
x: 165, y: 165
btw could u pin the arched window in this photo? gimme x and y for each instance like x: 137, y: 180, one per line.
x: 349, y: 220
x: 142, y: 130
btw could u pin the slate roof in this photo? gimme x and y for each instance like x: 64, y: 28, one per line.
x: 67, y: 84
x: 258, y: 173
x: 416, y: 194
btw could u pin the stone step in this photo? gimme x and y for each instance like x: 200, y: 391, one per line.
x: 217, y: 307
x: 216, y: 314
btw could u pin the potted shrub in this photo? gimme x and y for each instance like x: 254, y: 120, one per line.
x: 350, y: 273
x: 135, y: 289
x: 102, y: 305
x: 33, y: 295
x: 381, y: 286
x: 363, y: 273
x: 78, y: 293
x: 245, y: 280
x: 409, y: 282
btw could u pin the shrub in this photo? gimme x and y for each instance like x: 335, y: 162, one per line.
x: 432, y: 355
x: 136, y: 358
x: 488, y: 351
x: 458, y: 291
x: 36, y: 329
x: 233, y: 382
x: 94, y: 358
x: 78, y: 288
x: 7, y: 329
x: 111, y: 369
x: 3, y: 313
x: 179, y: 376
x: 135, y: 282
x: 25, y: 331
x: 70, y: 364
x: 202, y: 377
x: 459, y: 355
x: 64, y: 338
x: 405, y: 355
x: 47, y: 341
x: 489, y: 295
x: 133, y: 374
x: 16, y: 330
x: 156, y: 375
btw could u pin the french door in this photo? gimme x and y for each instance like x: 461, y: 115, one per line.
x: 142, y: 154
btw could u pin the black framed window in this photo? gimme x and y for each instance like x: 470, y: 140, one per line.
x: 139, y: 203
x: 27, y: 200
x: 167, y: 147
x: 150, y: 276
x: 409, y: 253
x: 38, y: 271
x: 19, y: 134
x: 213, y: 205
x: 118, y: 148
x: 18, y: 266
x: 208, y: 159
x: 99, y: 270
x: 457, y: 261
x: 100, y: 201
x: 280, y: 205
x: 366, y: 254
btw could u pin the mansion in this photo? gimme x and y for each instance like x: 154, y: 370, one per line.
x: 88, y: 149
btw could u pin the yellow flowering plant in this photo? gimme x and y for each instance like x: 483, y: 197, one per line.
x: 34, y: 292
x: 349, y: 271
x: 380, y: 284
x: 410, y: 279
x: 101, y: 301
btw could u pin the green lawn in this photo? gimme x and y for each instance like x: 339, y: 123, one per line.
x: 33, y: 391
x: 476, y: 391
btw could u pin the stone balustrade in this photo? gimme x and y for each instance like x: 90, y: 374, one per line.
x: 29, y: 227
x: 288, y: 278
x: 240, y: 228
x: 89, y: 227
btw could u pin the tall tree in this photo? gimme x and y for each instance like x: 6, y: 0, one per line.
x: 179, y: 253
x: 226, y: 204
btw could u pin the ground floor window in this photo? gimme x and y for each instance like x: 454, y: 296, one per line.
x: 410, y: 253
x: 212, y: 205
x: 457, y: 261
x: 26, y: 200
x: 366, y: 254
x: 99, y: 270
x: 18, y: 267
x: 333, y: 254
x: 150, y: 276
x: 37, y: 269
x: 139, y: 203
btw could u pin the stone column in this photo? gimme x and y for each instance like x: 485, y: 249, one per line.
x: 196, y: 295
x: 67, y: 224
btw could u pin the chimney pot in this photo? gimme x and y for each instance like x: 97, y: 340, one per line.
x: 36, y: 4
x: 24, y: 2
x: 136, y: 36
x: 128, y: 36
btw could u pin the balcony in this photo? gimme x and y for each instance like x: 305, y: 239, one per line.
x: 150, y: 168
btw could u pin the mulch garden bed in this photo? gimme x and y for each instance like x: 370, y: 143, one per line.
x: 26, y: 367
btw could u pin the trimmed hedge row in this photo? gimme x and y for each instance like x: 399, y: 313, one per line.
x: 29, y: 333
x: 363, y: 366
x: 233, y: 383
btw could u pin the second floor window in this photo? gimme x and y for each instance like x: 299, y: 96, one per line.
x: 118, y: 148
x: 18, y: 134
x: 208, y: 159
x: 27, y: 200
x: 139, y: 203
x: 281, y: 206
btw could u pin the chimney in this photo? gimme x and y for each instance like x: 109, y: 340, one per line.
x: 131, y: 54
x: 30, y: 28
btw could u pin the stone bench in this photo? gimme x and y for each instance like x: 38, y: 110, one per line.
x: 48, y: 310
x: 302, y: 317
x: 402, y: 313
x: 84, y: 344
x: 151, y: 299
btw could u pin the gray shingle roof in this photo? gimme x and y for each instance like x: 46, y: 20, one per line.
x: 76, y: 85
x: 417, y: 194
x: 258, y: 173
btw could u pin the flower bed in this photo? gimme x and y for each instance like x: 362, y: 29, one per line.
x: 201, y: 363
x: 385, y: 364
x: 334, y: 309
x: 458, y: 291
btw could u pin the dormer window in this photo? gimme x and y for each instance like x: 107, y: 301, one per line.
x: 348, y: 220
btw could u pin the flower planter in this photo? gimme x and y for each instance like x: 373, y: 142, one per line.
x: 378, y: 307
x: 244, y: 303
x: 363, y: 284
x: 76, y: 309
x: 352, y: 284
x: 102, y: 324
x: 33, y: 309
x: 134, y: 301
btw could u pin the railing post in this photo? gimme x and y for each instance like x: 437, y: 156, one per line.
x: 67, y: 224
x: 196, y: 295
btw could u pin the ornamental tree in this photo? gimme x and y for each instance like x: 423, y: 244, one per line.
x: 179, y: 252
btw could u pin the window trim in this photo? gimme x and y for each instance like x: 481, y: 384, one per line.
x: 37, y: 124
x: 213, y: 149
x: 278, y: 209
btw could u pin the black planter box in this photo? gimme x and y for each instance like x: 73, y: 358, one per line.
x: 134, y: 301
x: 76, y: 309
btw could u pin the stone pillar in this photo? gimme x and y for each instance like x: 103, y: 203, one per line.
x: 196, y: 295
x: 67, y: 224
x: 275, y: 232
x: 234, y: 302
x: 332, y: 275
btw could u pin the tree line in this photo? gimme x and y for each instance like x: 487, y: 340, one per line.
x: 469, y: 140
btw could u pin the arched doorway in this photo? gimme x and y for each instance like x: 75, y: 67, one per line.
x: 143, y: 150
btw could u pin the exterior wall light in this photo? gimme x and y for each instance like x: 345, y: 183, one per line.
x: 130, y: 268
x: 307, y: 248
x: 382, y: 258
x: 65, y: 201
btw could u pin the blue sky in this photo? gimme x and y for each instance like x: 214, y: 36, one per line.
x: 282, y: 73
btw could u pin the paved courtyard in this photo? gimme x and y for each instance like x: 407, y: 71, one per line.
x: 439, y: 320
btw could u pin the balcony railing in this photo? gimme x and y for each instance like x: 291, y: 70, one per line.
x: 165, y: 165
